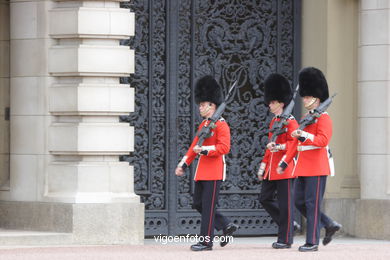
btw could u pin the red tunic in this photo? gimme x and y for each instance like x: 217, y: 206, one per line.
x: 272, y: 159
x: 314, y: 160
x: 211, y: 166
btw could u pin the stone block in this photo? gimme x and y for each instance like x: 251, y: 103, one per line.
x: 85, y: 22
x: 30, y: 57
x: 4, y: 135
x: 374, y: 4
x: 94, y: 224
x: 29, y: 95
x: 39, y: 216
x: 373, y: 175
x: 4, y: 21
x: 4, y: 171
x: 376, y: 129
x: 373, y: 98
x: 372, y: 218
x: 28, y: 134
x: 91, y: 99
x: 343, y: 211
x: 4, y: 59
x: 29, y: 20
x: 119, y: 223
x: 91, y: 182
x: 4, y: 95
x: 132, y: 24
x: 24, y: 20
x: 374, y: 63
x: 91, y: 138
x: 374, y: 27
x: 90, y: 60
x: 23, y: 178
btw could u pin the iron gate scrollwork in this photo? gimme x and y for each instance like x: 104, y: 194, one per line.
x: 176, y: 42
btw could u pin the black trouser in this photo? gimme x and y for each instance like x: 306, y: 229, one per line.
x: 282, y: 209
x: 205, y: 199
x: 309, y: 192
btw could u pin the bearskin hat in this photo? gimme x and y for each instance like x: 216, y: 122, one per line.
x: 208, y: 90
x: 276, y: 87
x: 312, y: 82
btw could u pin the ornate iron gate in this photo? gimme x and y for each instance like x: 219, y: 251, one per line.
x: 176, y: 42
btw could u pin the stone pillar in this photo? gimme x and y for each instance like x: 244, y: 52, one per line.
x: 86, y: 99
x: 374, y: 97
x: 329, y: 42
x: 329, y: 35
x: 4, y: 95
x: 373, y: 119
x: 65, y: 105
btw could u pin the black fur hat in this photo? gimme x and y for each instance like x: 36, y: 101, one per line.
x: 312, y: 82
x: 276, y: 87
x: 208, y: 90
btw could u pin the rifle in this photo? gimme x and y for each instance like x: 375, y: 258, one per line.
x: 277, y: 128
x: 310, y: 118
x: 205, y: 132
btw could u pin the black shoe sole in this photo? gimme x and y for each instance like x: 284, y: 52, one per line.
x: 203, y: 249
x: 281, y: 247
x: 308, y: 250
x: 231, y: 230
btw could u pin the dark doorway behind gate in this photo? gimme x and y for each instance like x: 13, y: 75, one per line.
x: 176, y: 42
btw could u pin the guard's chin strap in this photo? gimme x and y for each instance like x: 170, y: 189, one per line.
x: 204, y: 112
x: 313, y: 100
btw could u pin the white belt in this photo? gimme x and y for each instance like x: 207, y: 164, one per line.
x: 302, y: 148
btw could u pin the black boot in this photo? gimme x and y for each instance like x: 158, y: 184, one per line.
x: 330, y: 231
x: 228, y: 231
x: 278, y: 245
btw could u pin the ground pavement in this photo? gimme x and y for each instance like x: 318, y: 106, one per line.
x: 343, y: 248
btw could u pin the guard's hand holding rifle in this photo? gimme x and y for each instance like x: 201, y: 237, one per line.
x: 311, y: 117
x: 179, y: 171
x: 272, y: 146
x: 197, y: 149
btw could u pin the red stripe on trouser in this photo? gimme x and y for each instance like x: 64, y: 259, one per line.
x: 212, y: 210
x: 316, y: 211
x: 288, y: 210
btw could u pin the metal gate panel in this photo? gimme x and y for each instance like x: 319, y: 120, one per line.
x: 176, y: 42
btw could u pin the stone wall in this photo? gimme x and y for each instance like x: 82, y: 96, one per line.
x: 66, y: 138
x: 4, y: 94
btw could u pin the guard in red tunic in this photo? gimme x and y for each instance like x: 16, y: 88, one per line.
x: 277, y: 165
x: 313, y: 164
x: 211, y: 168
